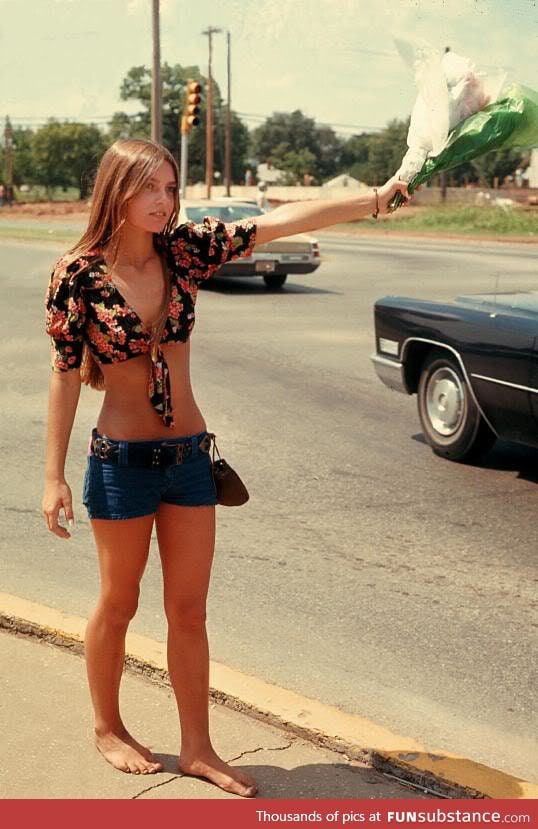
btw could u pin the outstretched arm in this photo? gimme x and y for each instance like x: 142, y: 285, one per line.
x: 300, y: 217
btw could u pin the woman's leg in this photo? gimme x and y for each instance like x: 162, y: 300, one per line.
x: 123, y: 547
x: 186, y: 537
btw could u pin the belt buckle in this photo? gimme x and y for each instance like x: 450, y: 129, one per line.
x: 177, y: 451
x: 102, y: 448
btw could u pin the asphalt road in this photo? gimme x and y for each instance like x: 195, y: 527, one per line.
x: 364, y: 571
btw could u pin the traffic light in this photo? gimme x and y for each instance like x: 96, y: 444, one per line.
x: 193, y: 97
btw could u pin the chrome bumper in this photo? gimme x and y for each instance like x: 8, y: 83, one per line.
x: 390, y: 372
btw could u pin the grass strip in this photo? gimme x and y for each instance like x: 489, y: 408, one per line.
x: 494, y: 221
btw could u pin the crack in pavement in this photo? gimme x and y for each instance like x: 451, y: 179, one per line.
x: 176, y: 776
x: 261, y: 748
x: 157, y: 785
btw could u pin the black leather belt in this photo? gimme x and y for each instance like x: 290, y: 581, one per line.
x: 163, y: 454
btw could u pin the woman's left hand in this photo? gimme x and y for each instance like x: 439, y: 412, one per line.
x: 386, y: 193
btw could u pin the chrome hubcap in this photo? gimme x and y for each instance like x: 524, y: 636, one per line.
x: 445, y: 400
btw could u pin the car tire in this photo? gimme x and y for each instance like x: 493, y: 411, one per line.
x: 274, y: 281
x: 450, y: 419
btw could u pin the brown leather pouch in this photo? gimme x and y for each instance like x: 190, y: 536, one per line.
x: 231, y: 491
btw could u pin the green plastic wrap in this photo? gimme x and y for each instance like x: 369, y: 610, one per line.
x: 512, y: 121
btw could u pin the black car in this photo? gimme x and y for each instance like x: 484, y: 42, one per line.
x: 473, y: 364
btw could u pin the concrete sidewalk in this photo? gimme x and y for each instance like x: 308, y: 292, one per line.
x: 48, y: 751
x: 297, y: 746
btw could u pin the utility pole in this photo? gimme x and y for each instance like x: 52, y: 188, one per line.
x: 228, y: 136
x: 209, y: 114
x: 8, y: 146
x: 156, y: 92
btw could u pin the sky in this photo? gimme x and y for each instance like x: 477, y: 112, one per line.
x: 335, y: 60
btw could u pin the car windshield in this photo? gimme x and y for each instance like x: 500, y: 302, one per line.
x: 224, y: 212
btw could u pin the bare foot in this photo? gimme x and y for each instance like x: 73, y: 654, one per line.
x: 210, y: 766
x: 126, y: 754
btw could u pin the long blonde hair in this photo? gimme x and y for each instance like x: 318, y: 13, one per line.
x: 123, y: 171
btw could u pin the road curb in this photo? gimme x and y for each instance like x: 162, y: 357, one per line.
x: 445, y: 774
x: 424, y: 236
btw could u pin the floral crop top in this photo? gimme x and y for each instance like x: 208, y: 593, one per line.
x: 83, y: 305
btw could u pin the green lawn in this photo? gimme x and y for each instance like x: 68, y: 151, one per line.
x: 39, y: 193
x: 37, y: 234
x: 492, y: 221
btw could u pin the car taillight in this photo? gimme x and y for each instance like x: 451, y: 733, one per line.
x: 315, y: 249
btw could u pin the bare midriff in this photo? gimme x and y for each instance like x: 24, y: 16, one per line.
x: 127, y: 413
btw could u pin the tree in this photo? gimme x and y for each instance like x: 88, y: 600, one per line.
x: 295, y: 164
x: 137, y: 86
x: 354, y: 158
x: 330, y: 150
x: 48, y: 153
x: 128, y: 126
x: 85, y: 146
x: 292, y: 129
x: 66, y: 155
x: 498, y: 163
x: 240, y: 144
x: 288, y: 139
x: 386, y: 150
x: 23, y: 170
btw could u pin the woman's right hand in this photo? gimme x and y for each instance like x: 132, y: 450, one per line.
x: 57, y: 496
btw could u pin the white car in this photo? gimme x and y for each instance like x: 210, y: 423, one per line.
x: 272, y: 261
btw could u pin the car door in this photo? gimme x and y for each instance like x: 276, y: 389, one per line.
x: 534, y: 383
x: 500, y: 367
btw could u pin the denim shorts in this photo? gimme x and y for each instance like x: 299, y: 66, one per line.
x: 122, y: 491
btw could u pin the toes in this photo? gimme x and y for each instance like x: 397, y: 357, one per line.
x: 249, y: 789
x: 240, y: 788
x: 152, y: 763
x: 246, y: 791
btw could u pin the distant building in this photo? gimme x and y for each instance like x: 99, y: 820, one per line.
x: 344, y: 180
x: 271, y: 175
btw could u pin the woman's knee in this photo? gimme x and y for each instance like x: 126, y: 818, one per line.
x: 185, y: 616
x: 119, y: 608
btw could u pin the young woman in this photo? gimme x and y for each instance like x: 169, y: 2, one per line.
x: 120, y: 310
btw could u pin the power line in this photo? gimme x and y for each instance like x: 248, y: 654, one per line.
x: 36, y: 121
x: 252, y: 116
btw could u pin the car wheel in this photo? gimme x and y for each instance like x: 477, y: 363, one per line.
x: 273, y: 282
x: 450, y: 419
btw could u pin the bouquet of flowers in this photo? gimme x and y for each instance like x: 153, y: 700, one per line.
x: 460, y: 114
